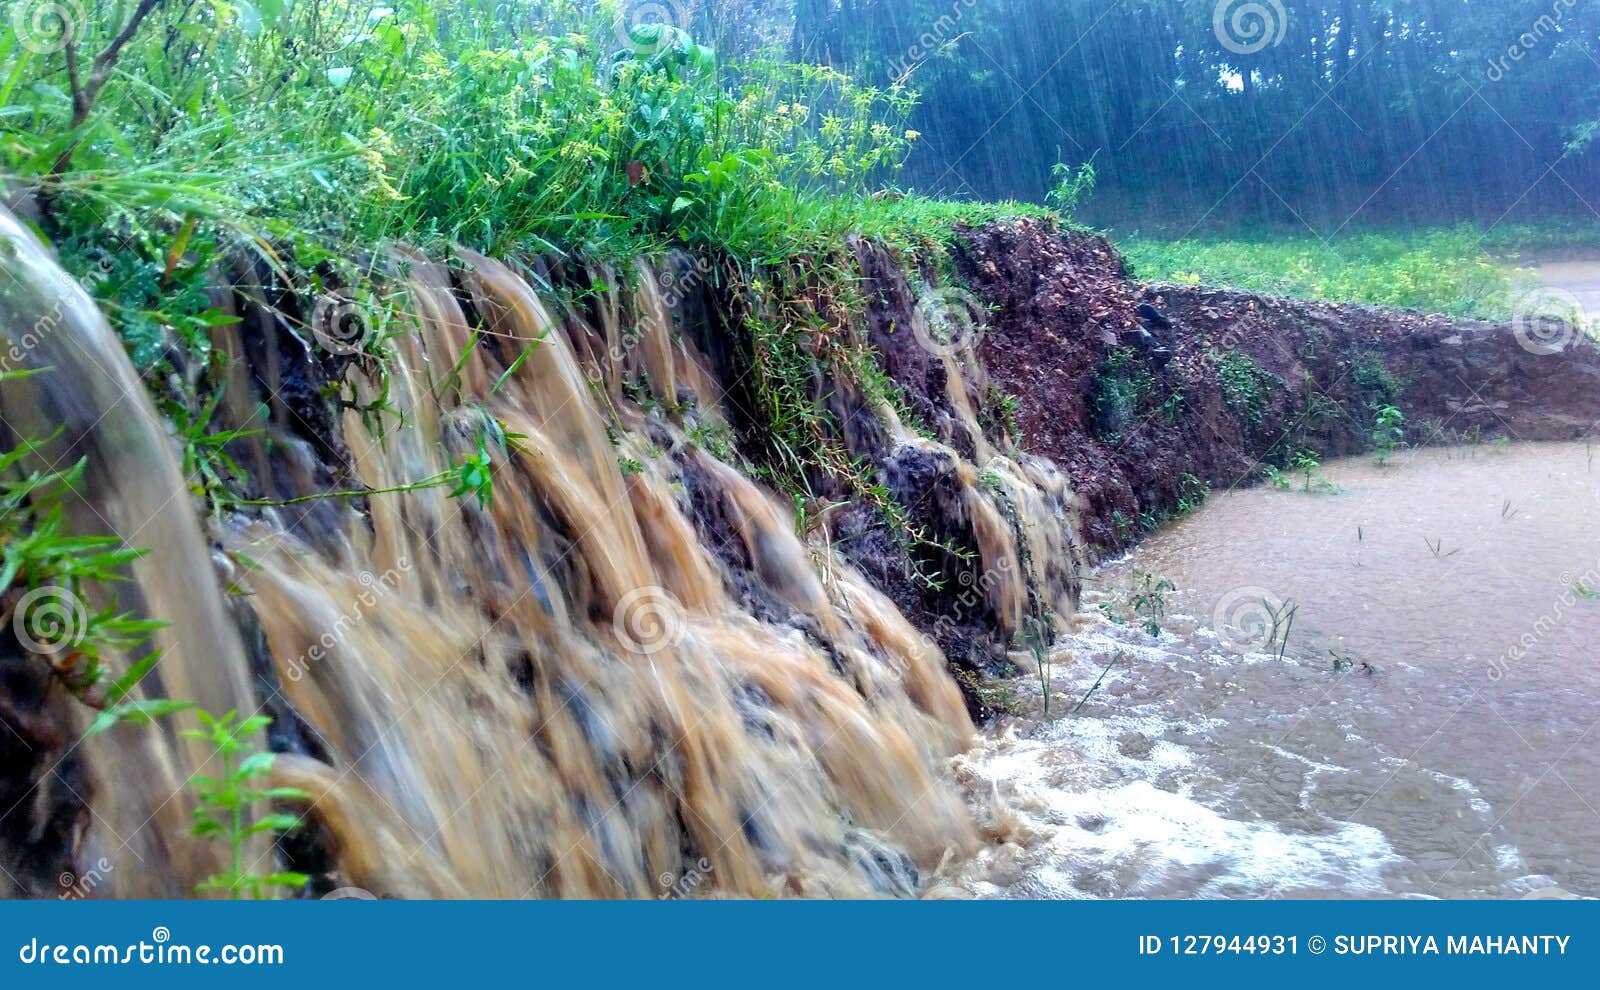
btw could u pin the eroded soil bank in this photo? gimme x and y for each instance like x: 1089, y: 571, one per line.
x: 1252, y: 381
x: 747, y: 531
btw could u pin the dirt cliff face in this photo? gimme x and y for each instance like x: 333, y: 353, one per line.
x: 1251, y: 381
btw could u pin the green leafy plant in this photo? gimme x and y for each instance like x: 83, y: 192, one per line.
x: 1148, y: 600
x: 1246, y: 386
x: 1073, y: 186
x: 1388, y: 432
x: 227, y: 806
x: 1036, y: 635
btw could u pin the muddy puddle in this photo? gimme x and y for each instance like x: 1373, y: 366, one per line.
x: 1388, y: 689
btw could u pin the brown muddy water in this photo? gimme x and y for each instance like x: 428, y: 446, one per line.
x: 1430, y: 730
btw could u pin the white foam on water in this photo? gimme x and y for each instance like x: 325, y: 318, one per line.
x: 1104, y: 804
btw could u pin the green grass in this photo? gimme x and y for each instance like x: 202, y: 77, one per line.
x: 1459, y: 271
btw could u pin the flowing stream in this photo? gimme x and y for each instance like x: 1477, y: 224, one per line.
x: 627, y: 674
x: 1431, y: 729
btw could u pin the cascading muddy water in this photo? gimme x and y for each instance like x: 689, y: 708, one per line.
x: 624, y: 674
x: 121, y: 798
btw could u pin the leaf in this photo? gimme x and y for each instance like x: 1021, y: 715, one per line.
x: 274, y: 823
x: 256, y: 764
x: 124, y: 685
x: 137, y: 713
x: 286, y: 794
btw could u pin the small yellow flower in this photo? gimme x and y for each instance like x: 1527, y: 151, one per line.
x: 913, y: 135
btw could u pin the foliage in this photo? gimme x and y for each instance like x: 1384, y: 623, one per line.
x: 1245, y: 384
x: 1123, y: 392
x: 1143, y: 601
x: 1148, y: 600
x: 45, y: 581
x: 1209, y: 115
x: 353, y: 122
x: 1073, y: 186
x: 225, y: 811
x: 1441, y: 270
x: 1192, y: 493
x: 1388, y: 432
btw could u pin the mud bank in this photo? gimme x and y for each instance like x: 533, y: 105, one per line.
x: 1252, y: 380
x: 685, y: 637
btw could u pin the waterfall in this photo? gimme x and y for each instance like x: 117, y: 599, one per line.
x: 626, y: 668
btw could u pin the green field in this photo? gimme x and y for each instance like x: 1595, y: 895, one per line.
x: 1460, y: 270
